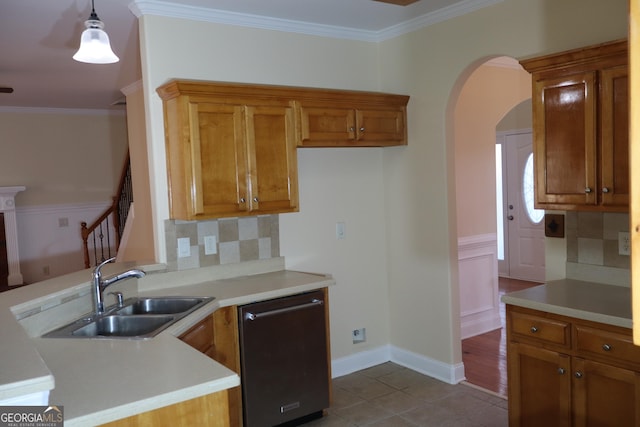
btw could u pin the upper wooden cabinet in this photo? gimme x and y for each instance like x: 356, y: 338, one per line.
x: 352, y: 119
x: 580, y: 127
x: 231, y: 150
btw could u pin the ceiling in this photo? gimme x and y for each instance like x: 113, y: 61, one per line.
x: 39, y: 37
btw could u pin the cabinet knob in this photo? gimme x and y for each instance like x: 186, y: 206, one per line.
x: 606, y: 347
x: 510, y: 217
x: 534, y: 329
x: 605, y: 190
x: 578, y: 374
x: 352, y: 129
x: 255, y: 199
x: 362, y: 129
x: 242, y: 200
x: 587, y: 190
x: 561, y: 371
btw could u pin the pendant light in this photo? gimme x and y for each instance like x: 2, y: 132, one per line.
x: 94, y: 43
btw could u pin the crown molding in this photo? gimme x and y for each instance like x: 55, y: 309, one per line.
x: 173, y: 10
x: 62, y: 111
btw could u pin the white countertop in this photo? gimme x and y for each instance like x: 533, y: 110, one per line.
x: 583, y: 300
x: 101, y: 380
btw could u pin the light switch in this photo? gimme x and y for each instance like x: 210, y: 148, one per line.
x: 184, y: 247
x: 340, y: 231
x: 210, y: 246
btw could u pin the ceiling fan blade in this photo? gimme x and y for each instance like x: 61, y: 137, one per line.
x: 6, y: 90
x: 398, y: 2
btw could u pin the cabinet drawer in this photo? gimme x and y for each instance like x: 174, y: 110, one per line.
x: 613, y: 345
x: 200, y: 336
x: 540, y: 328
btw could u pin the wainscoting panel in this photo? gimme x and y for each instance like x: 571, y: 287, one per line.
x: 50, y: 240
x: 478, y: 275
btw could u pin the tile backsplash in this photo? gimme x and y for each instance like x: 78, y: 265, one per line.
x: 592, y: 238
x: 237, y: 240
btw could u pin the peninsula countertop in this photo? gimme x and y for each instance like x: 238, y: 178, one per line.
x: 596, y: 302
x: 101, y: 380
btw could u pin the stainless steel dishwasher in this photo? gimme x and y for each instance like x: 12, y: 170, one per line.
x: 284, y: 361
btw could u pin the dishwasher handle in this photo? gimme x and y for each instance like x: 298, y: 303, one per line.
x: 255, y: 316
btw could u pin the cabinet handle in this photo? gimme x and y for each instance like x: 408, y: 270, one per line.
x: 242, y: 200
x: 561, y: 371
x: 587, y: 190
x: 578, y: 374
x: 606, y: 347
x: 255, y: 199
x: 534, y: 329
x: 605, y: 190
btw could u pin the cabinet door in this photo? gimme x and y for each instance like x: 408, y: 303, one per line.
x: 380, y: 127
x: 326, y: 126
x: 565, y: 140
x: 615, y: 136
x: 273, y: 176
x: 539, y: 387
x: 605, y: 395
x: 218, y: 167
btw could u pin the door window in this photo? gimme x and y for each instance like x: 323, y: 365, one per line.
x: 535, y: 215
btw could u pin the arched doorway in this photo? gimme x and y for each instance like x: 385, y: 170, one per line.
x: 490, y: 90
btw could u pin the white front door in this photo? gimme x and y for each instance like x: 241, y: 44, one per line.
x: 523, y: 225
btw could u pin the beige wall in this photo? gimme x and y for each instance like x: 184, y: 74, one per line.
x: 396, y: 270
x: 62, y: 156
x: 137, y: 243
x: 520, y: 117
x: 486, y: 97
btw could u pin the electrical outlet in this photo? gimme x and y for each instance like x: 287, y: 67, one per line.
x: 184, y: 247
x: 210, y: 246
x: 624, y: 243
x: 63, y: 222
x: 359, y: 335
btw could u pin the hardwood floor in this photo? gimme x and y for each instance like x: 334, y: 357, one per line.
x: 485, y: 355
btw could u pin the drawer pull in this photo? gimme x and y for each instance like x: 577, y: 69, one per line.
x: 606, y: 347
x: 578, y: 374
x: 534, y: 329
x: 561, y: 371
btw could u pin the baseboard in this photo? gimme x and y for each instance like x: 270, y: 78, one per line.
x: 448, y: 373
x: 480, y: 324
x: 361, y: 360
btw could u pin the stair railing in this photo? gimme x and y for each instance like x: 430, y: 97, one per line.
x: 97, y: 238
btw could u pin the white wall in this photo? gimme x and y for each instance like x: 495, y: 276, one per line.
x: 401, y: 198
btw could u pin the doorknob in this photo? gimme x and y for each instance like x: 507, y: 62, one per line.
x: 510, y: 217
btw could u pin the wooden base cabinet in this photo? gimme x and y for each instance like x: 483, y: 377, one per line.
x: 588, y: 375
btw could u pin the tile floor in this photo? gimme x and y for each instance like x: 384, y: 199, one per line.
x: 393, y: 396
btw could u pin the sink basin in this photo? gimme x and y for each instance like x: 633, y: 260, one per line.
x: 124, y: 326
x: 139, y: 318
x: 164, y: 305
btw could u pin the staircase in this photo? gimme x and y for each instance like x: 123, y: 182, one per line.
x: 101, y: 239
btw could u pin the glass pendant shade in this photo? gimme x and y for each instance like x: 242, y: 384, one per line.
x: 94, y: 45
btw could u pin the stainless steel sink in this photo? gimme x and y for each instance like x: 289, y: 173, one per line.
x: 124, y: 326
x: 168, y: 305
x: 138, y: 318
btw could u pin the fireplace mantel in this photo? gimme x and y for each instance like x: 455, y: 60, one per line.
x: 8, y: 208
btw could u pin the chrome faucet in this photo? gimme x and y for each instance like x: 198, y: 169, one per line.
x: 100, y: 284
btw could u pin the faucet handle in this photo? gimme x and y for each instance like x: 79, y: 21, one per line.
x: 119, y: 298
